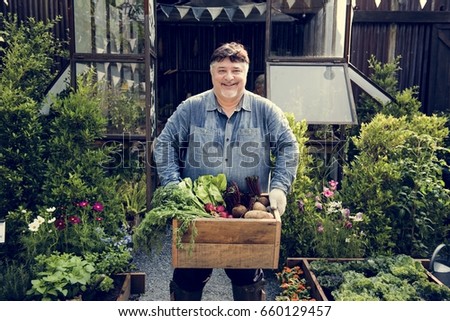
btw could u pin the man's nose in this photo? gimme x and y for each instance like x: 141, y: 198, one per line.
x: 229, y: 75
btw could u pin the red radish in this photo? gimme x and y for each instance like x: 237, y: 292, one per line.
x: 210, y: 208
x: 220, y: 208
x: 223, y: 214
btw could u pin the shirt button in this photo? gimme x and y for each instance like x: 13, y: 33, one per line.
x: 227, y: 139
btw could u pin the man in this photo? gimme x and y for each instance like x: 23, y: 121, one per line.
x: 227, y: 130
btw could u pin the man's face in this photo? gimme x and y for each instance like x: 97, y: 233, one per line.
x: 229, y: 79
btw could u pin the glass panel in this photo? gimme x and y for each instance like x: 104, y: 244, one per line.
x: 321, y: 94
x: 123, y: 99
x: 109, y: 26
x: 308, y: 28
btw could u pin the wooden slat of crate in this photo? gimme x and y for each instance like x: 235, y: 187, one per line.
x: 229, y: 243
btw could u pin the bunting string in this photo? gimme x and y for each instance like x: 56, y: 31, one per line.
x: 214, y: 12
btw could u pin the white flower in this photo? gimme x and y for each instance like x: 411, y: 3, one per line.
x: 51, y: 209
x: 23, y: 211
x: 51, y: 220
x: 347, y: 240
x: 358, y: 217
x: 34, y: 226
x: 40, y: 219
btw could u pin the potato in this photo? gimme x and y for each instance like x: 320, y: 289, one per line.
x: 258, y: 206
x: 238, y: 211
x: 264, y: 200
x: 258, y: 214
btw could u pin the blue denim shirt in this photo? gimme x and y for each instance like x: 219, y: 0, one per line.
x: 199, y: 139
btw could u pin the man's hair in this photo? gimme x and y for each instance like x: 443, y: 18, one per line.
x: 232, y: 50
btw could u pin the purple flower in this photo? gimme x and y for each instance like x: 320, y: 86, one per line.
x: 348, y: 225
x: 319, y: 205
x: 98, y: 207
x: 83, y: 204
x: 320, y: 228
x: 74, y: 219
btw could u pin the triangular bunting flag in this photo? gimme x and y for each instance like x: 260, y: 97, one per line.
x: 246, y: 9
x: 261, y: 7
x: 198, y: 11
x: 377, y: 3
x: 423, y: 3
x: 133, y: 67
x: 130, y: 83
x: 166, y: 10
x: 100, y: 75
x: 230, y: 12
x: 215, y: 12
x: 119, y: 66
x: 182, y: 10
x: 132, y: 43
x: 290, y: 3
x: 115, y: 80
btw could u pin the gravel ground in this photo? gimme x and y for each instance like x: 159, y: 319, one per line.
x: 158, y: 269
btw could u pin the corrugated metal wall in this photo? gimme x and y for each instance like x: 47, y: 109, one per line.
x: 383, y: 38
x: 387, y: 39
x: 41, y: 10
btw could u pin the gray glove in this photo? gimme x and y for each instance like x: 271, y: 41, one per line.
x: 277, y: 199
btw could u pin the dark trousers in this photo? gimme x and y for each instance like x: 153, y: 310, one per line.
x: 195, y: 279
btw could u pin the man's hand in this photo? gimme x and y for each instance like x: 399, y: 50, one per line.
x: 277, y: 199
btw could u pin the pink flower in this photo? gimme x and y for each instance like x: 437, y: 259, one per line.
x: 333, y: 184
x: 74, y: 219
x: 83, y: 204
x: 60, y: 224
x: 319, y: 205
x: 98, y: 207
x: 348, y: 225
x: 320, y: 228
x: 327, y: 192
x: 99, y: 219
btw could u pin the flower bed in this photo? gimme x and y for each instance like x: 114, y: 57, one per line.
x: 397, y: 278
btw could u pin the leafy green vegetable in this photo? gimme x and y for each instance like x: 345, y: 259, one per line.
x: 169, y: 202
x: 209, y: 188
x: 396, y: 278
x: 183, y: 201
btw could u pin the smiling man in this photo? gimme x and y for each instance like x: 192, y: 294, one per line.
x: 233, y: 131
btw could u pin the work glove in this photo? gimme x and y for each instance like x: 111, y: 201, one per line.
x: 277, y: 199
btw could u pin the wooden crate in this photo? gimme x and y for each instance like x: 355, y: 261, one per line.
x: 229, y: 243
x: 316, y: 290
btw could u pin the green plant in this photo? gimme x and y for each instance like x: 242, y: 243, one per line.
x: 334, y: 230
x: 396, y: 179
x: 134, y: 197
x: 23, y: 81
x: 75, y: 126
x: 123, y: 111
x: 378, y: 278
x: 14, y: 280
x: 294, y: 240
x: 64, y: 277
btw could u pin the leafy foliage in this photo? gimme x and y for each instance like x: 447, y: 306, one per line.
x: 397, y: 180
x: 378, y: 278
x: 24, y: 77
